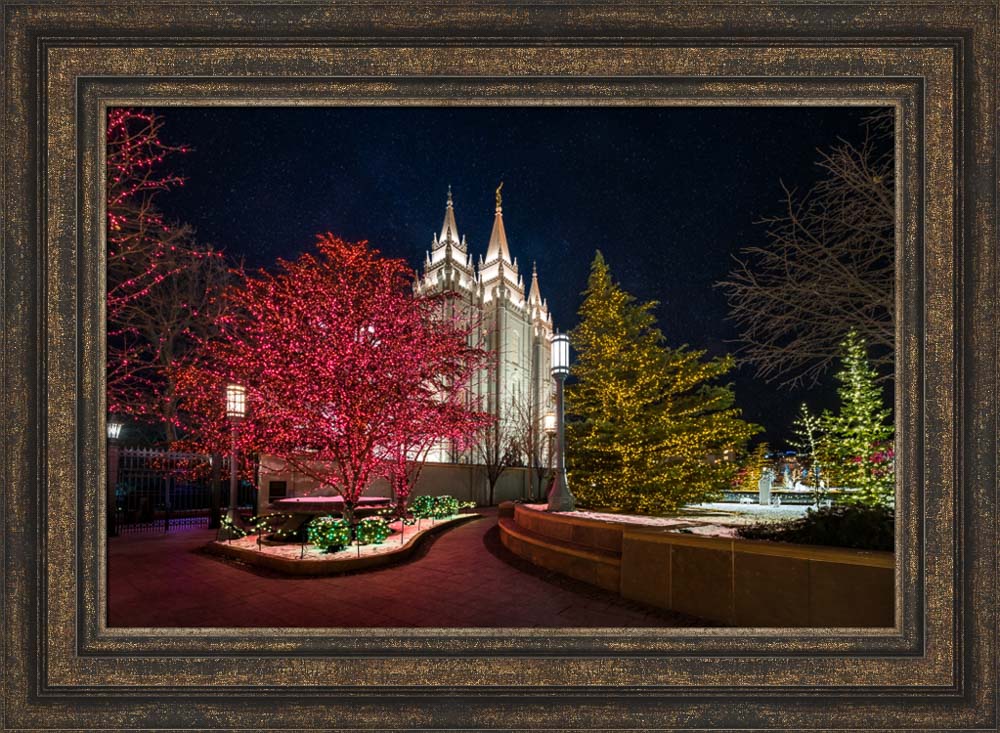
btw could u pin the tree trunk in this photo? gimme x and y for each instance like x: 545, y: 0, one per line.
x: 349, y: 512
x: 215, y: 515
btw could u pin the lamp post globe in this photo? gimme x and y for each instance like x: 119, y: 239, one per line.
x: 560, y: 497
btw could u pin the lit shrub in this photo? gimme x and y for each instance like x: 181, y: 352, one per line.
x: 423, y: 506
x: 330, y: 534
x: 437, y: 507
x: 371, y: 531
x: 445, y: 506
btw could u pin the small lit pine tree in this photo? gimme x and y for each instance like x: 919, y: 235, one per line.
x: 646, y: 420
x: 754, y: 467
x: 807, y: 441
x: 859, y: 437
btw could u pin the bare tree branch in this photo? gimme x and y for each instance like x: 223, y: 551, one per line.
x: 828, y: 266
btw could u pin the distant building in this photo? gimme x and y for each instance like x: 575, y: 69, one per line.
x: 515, y: 326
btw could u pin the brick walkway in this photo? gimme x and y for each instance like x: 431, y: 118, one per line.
x: 461, y: 578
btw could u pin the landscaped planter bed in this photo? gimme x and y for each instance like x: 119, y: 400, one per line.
x: 289, y: 558
x: 725, y: 579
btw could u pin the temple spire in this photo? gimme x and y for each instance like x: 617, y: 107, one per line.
x: 449, y: 230
x: 498, y: 238
x: 534, y: 295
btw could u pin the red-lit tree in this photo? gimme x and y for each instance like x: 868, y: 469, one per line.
x: 164, y: 289
x: 137, y: 240
x: 343, y: 365
x: 418, y: 429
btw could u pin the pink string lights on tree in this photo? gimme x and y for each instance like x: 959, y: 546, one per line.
x: 137, y: 240
x: 349, y: 376
x: 163, y: 287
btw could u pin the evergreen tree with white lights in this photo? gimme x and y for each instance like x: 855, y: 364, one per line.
x: 859, y: 437
x: 808, y: 440
x: 648, y: 424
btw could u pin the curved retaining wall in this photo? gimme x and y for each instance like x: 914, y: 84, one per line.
x: 732, y: 581
x: 587, y: 551
x: 332, y: 566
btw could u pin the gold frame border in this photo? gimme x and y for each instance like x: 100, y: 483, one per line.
x: 935, y: 64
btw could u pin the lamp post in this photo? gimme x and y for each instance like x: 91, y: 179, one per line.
x: 560, y: 498
x: 236, y: 410
x: 114, y: 432
x: 549, y: 428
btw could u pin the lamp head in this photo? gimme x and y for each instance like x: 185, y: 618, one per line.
x: 236, y: 401
x: 114, y: 430
x: 560, y: 355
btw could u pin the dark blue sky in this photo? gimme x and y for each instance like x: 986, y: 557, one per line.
x: 667, y: 194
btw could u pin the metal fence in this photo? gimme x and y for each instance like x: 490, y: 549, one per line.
x: 156, y: 490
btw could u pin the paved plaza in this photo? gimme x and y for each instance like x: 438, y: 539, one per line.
x: 463, y: 577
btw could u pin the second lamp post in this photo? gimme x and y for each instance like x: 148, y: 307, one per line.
x: 236, y: 410
x: 560, y: 497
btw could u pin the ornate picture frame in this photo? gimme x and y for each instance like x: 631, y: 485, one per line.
x: 65, y: 64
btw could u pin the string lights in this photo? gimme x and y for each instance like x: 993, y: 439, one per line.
x: 349, y: 377
x: 646, y: 419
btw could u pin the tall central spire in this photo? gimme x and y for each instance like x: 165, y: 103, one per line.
x: 449, y: 230
x: 498, y: 238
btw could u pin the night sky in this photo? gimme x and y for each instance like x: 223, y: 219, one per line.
x: 667, y: 194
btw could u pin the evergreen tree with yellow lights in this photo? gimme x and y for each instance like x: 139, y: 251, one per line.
x: 754, y: 467
x: 647, y: 423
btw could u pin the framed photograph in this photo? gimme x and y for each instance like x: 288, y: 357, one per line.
x: 485, y: 367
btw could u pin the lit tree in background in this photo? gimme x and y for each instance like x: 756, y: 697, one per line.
x: 163, y: 289
x: 859, y: 438
x: 754, y: 466
x: 807, y: 441
x: 649, y: 425
x: 137, y: 240
x: 177, y: 313
x: 342, y: 364
x: 828, y: 266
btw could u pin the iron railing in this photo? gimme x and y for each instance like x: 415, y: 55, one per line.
x: 157, y: 490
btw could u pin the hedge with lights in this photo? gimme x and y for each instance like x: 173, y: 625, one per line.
x: 437, y: 507
x: 371, y: 531
x: 330, y: 534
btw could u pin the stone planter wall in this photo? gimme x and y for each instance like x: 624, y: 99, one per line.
x: 747, y: 583
x: 584, y: 551
x: 755, y: 583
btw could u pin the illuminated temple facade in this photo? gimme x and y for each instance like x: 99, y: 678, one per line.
x: 515, y: 325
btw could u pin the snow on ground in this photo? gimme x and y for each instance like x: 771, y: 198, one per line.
x: 755, y: 511
x: 711, y: 530
x: 293, y: 550
x: 621, y: 518
x: 715, y: 513
x: 335, y: 500
x: 710, y: 519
